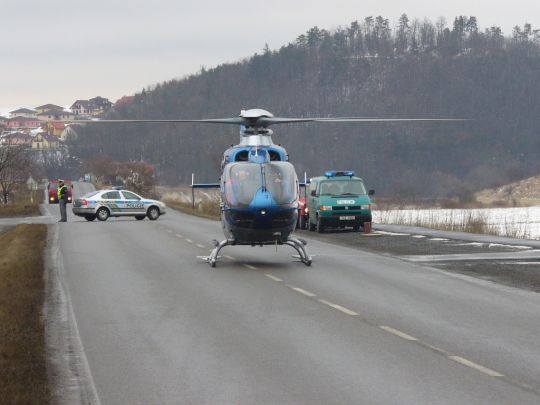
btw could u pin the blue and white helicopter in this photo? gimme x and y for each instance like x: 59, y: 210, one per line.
x: 259, y: 187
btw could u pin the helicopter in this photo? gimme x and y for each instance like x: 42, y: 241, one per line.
x: 259, y: 188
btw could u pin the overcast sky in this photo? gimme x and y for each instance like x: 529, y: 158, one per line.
x: 56, y: 51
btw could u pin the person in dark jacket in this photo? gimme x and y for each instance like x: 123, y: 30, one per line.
x: 62, y: 200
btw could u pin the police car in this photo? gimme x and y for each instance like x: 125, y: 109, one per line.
x: 103, y: 204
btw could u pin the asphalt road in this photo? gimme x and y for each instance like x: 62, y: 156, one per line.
x: 159, y: 326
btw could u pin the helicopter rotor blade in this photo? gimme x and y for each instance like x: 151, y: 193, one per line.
x: 277, y: 120
x: 234, y: 121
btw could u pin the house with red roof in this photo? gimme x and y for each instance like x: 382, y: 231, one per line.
x: 54, y: 128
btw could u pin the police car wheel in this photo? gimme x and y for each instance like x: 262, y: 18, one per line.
x: 140, y: 217
x: 153, y: 213
x: 102, y: 214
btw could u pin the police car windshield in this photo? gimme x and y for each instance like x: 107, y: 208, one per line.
x: 342, y: 187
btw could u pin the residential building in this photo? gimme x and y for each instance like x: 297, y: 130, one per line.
x: 22, y: 123
x: 23, y: 112
x: 54, y: 128
x: 48, y: 107
x: 16, y: 138
x: 56, y: 115
x: 45, y: 141
x: 94, y: 106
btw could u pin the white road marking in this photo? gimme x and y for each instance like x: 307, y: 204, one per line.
x: 168, y: 230
x: 229, y: 257
x: 301, y: 291
x: 179, y: 236
x: 475, y: 366
x: 418, y: 236
x: 273, y: 277
x: 249, y: 266
x: 201, y: 246
x: 397, y: 333
x: 439, y: 239
x: 338, y: 307
x: 189, y: 241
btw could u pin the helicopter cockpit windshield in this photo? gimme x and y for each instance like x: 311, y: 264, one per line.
x: 242, y: 181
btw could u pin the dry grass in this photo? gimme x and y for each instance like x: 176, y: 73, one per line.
x: 471, y: 222
x: 206, y: 201
x: 23, y: 374
x: 21, y: 206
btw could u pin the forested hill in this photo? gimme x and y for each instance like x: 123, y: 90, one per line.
x: 418, y: 69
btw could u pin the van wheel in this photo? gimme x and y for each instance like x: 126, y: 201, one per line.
x: 153, y: 213
x: 103, y: 214
x: 320, y: 227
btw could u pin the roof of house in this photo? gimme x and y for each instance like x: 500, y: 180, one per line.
x: 17, y: 135
x: 46, y: 137
x: 49, y: 107
x: 57, y: 124
x: 23, y: 111
x: 22, y: 119
x: 124, y: 99
x: 84, y: 103
x: 55, y: 112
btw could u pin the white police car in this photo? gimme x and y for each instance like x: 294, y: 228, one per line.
x: 103, y: 204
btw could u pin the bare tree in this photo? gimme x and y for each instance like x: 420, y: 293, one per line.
x: 14, y: 166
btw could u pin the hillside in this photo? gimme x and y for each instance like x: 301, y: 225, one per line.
x: 524, y: 192
x: 417, y: 69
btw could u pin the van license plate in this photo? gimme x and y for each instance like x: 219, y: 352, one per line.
x: 347, y: 218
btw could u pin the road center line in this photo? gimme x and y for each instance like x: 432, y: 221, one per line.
x: 338, y: 307
x: 398, y: 333
x: 189, y: 241
x: 249, y: 266
x: 168, y: 230
x: 272, y: 277
x: 229, y: 257
x: 301, y: 291
x: 475, y: 366
x: 179, y: 236
x: 201, y: 246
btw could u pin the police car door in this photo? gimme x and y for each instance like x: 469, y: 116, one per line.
x: 132, y: 203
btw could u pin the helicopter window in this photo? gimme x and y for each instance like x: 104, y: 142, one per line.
x: 281, y: 182
x: 274, y: 156
x: 241, y: 182
x: 241, y: 156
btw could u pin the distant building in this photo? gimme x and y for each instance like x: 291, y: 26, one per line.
x: 69, y: 132
x: 54, y: 128
x: 101, y: 103
x: 16, y: 138
x: 22, y: 123
x: 56, y: 115
x: 23, y: 112
x: 94, y: 106
x: 45, y: 141
x: 48, y: 107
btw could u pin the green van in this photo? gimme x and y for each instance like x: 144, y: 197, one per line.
x: 338, y: 200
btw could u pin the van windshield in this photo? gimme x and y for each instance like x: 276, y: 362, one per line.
x: 342, y: 187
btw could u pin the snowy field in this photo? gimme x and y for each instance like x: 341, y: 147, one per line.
x: 521, y: 222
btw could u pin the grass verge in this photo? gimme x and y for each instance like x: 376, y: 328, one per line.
x: 23, y: 370
x: 179, y: 198
x: 19, y: 210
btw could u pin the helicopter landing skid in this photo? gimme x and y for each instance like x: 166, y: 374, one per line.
x: 296, y: 244
x: 299, y: 246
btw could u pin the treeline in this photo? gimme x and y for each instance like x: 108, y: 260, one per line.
x: 416, y: 69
